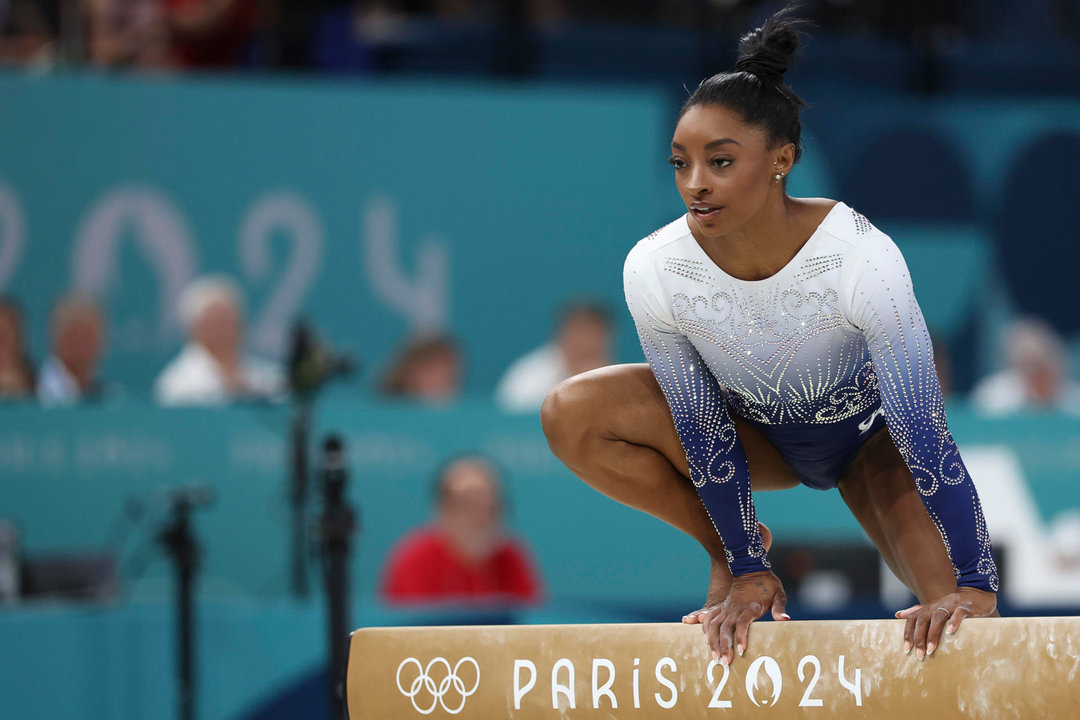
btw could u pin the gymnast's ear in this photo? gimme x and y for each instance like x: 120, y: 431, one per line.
x: 784, y: 157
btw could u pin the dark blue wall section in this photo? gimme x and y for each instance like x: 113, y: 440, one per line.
x: 908, y: 171
x: 1037, y: 232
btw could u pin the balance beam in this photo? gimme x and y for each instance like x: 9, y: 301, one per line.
x: 991, y: 668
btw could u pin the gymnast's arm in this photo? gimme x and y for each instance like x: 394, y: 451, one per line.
x: 718, y: 466
x: 885, y: 309
x: 717, y: 461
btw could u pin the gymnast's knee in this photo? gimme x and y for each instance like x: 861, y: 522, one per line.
x: 565, y: 416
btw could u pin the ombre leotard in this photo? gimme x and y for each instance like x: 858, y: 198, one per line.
x: 815, y: 357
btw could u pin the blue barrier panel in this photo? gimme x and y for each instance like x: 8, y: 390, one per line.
x: 67, y: 475
x: 117, y: 662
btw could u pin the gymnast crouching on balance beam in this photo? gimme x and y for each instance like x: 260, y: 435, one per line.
x: 784, y: 346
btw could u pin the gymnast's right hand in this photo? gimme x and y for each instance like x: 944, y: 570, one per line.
x: 752, y: 595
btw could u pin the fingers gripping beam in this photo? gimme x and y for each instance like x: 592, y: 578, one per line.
x: 991, y: 668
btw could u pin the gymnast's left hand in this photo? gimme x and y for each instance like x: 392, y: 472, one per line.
x: 727, y: 625
x: 925, y: 622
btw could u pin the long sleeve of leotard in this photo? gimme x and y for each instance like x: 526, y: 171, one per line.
x: 883, y: 307
x: 718, y: 467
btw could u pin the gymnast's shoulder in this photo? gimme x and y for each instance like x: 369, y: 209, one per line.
x: 851, y: 230
x: 867, y: 252
x: 641, y: 255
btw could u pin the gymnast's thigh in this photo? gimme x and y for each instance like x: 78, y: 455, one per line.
x: 878, y: 463
x: 877, y: 485
x: 639, y: 414
x: 621, y: 403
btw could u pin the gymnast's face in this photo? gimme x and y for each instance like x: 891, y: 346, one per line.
x: 724, y: 169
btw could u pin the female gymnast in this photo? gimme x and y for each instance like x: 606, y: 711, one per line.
x: 784, y: 345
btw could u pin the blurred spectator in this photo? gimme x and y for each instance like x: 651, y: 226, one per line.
x: 210, y: 33
x: 1036, y: 377
x: 465, y: 554
x: 126, y: 33
x: 30, y: 31
x: 69, y: 375
x: 428, y: 369
x: 16, y: 371
x: 582, y: 342
x: 353, y: 38
x: 1065, y: 540
x: 212, y: 368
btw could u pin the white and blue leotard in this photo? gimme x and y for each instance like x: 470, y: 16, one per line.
x: 816, y: 357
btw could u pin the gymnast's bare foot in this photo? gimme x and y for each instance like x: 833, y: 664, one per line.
x: 720, y: 582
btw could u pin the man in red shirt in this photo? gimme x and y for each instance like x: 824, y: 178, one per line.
x: 464, y: 555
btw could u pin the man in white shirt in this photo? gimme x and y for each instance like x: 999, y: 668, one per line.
x: 69, y: 375
x: 212, y: 368
x: 1036, y: 378
x: 582, y: 343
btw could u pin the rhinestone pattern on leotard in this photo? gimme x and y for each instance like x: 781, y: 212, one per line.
x: 862, y: 225
x: 692, y: 269
x: 762, y: 336
x: 813, y: 267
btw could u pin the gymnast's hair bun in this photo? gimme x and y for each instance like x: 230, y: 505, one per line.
x: 767, y: 51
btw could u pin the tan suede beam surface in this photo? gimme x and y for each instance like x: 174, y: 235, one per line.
x: 991, y: 668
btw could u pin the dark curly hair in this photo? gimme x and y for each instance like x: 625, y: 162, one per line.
x: 755, y: 86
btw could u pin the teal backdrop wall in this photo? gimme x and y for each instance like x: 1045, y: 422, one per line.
x: 380, y: 208
x: 375, y: 208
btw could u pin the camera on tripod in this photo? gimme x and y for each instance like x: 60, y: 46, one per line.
x: 313, y: 363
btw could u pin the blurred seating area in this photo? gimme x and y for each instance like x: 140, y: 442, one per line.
x: 931, y: 47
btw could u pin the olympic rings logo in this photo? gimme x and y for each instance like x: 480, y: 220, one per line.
x: 426, y: 683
